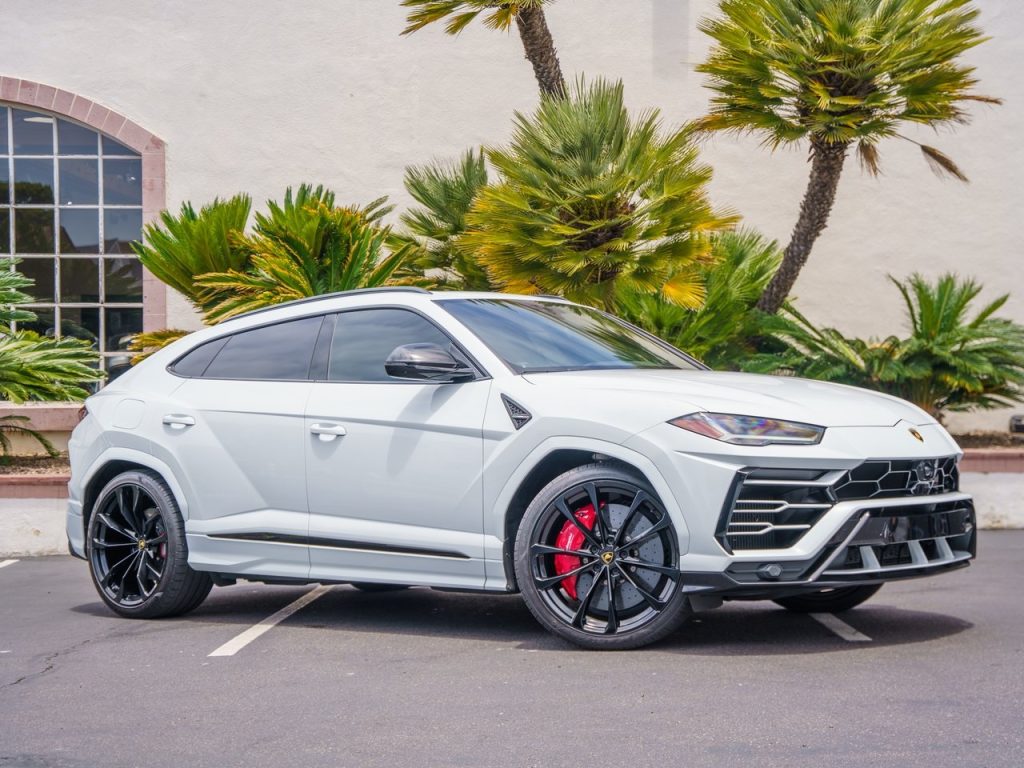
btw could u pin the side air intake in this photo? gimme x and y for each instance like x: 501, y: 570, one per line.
x: 519, y: 415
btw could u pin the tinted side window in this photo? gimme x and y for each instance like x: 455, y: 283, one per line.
x: 195, y: 363
x: 281, y: 351
x: 363, y: 339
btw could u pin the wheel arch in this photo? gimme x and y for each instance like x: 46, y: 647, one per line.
x: 114, y: 462
x: 557, y: 456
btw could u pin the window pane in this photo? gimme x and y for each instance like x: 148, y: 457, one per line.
x: 33, y: 231
x: 122, y: 280
x: 550, y: 336
x: 41, y: 271
x: 122, y: 182
x: 33, y: 133
x: 122, y: 324
x: 81, y: 322
x: 75, y: 139
x: 79, y: 230
x: 43, y: 324
x: 111, y: 147
x: 120, y: 228
x: 33, y: 181
x: 364, y: 339
x: 80, y: 281
x: 3, y: 130
x: 5, y: 186
x: 79, y: 182
x: 5, y: 231
x: 282, y: 351
x: 195, y: 362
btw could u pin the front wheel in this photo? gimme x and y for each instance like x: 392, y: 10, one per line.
x: 597, y: 560
x: 137, y: 552
x: 829, y: 600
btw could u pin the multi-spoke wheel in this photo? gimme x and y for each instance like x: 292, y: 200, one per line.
x: 136, y: 550
x: 829, y: 600
x: 597, y: 560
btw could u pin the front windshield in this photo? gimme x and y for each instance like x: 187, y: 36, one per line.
x: 542, y: 336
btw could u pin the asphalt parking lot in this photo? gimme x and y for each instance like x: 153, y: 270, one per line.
x: 929, y: 673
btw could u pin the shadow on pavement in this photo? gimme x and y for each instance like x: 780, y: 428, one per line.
x: 737, y: 629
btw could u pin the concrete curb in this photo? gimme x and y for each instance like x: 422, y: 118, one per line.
x: 34, y: 526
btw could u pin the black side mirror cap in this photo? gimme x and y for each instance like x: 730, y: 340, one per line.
x: 426, y: 362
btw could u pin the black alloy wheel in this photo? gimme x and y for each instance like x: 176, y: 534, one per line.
x: 619, y: 585
x: 136, y: 550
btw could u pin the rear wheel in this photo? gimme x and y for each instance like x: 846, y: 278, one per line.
x: 137, y: 552
x: 829, y: 600
x: 597, y: 560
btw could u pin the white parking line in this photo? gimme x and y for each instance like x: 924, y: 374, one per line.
x: 838, y: 626
x: 237, y: 643
x: 5, y: 563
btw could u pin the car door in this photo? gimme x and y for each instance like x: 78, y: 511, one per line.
x: 393, y: 466
x: 235, y: 434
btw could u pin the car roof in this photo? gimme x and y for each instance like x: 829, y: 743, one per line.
x: 409, y: 290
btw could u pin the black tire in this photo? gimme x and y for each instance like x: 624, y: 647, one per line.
x: 136, y: 550
x: 629, y: 558
x: 829, y: 600
x: 369, y: 586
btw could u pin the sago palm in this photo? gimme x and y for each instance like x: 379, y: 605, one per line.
x: 11, y: 294
x: 951, y: 360
x: 839, y: 73
x: 16, y: 424
x: 445, y: 193
x: 592, y: 202
x: 720, y: 332
x: 305, y: 248
x: 528, y: 16
x: 34, y: 367
x: 193, y: 243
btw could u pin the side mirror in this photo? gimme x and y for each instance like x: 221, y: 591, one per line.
x: 426, y: 362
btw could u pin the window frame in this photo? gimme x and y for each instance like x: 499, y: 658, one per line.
x: 320, y: 356
x: 479, y: 372
x: 57, y: 260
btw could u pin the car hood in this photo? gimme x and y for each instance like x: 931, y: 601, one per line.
x: 675, y: 393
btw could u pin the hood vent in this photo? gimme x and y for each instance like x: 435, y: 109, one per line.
x: 516, y: 412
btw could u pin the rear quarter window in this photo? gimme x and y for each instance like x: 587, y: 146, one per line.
x: 278, y: 352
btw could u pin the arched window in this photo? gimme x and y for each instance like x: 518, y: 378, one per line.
x: 70, y: 207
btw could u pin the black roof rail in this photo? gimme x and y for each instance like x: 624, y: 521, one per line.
x: 334, y: 295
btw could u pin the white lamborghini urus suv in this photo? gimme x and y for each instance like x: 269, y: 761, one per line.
x: 393, y: 437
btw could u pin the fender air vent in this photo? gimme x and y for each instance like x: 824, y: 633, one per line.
x: 516, y: 412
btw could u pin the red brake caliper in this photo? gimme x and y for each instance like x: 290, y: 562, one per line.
x: 571, y: 537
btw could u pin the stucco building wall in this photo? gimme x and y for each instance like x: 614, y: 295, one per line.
x: 255, y: 95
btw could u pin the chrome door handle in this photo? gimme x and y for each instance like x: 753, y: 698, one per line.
x: 327, y: 432
x: 178, y: 421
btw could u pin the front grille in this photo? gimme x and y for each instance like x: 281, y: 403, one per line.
x: 900, y: 477
x: 774, y: 508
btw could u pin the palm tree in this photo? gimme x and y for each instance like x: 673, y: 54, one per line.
x: 592, y: 202
x: 306, y: 247
x: 445, y: 193
x: 838, y: 73
x: 720, y: 332
x: 193, y: 243
x: 951, y: 361
x: 34, y: 367
x: 528, y: 16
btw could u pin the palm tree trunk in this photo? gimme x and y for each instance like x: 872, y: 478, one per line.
x: 826, y: 168
x: 540, y: 50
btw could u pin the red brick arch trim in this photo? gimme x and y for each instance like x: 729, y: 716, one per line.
x: 20, y: 92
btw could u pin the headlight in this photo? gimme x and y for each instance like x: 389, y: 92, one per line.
x: 749, y: 430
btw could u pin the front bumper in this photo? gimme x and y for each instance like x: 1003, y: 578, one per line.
x: 864, y: 542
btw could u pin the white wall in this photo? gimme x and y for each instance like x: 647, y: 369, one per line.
x: 254, y: 95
